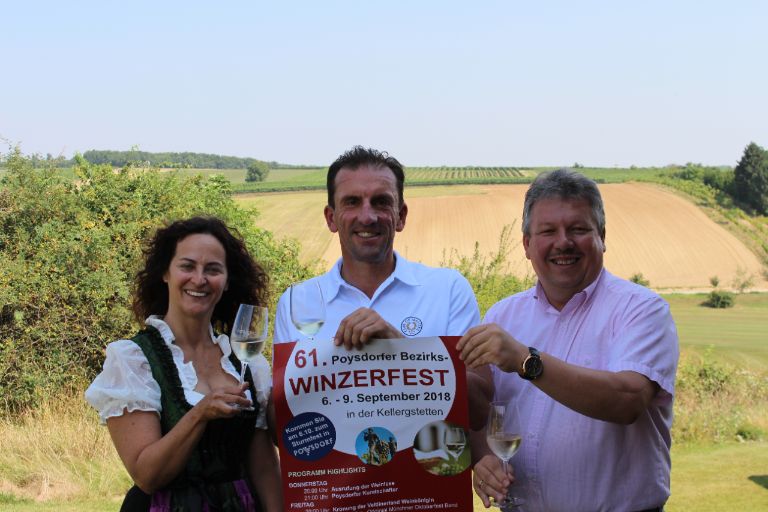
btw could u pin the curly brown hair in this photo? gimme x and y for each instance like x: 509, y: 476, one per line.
x: 248, y: 283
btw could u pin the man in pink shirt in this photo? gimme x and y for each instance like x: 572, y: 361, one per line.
x: 588, y: 362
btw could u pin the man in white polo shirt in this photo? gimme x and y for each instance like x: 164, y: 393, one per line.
x: 373, y: 292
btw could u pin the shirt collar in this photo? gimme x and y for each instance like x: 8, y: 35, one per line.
x: 404, y: 272
x: 587, y: 292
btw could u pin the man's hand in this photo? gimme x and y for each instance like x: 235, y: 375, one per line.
x: 489, y: 480
x: 362, y: 326
x: 490, y: 344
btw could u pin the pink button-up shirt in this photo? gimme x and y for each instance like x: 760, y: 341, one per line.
x: 568, y: 461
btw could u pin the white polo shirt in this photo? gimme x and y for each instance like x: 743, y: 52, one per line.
x: 416, y: 299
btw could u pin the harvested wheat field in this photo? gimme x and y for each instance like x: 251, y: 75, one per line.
x: 649, y: 230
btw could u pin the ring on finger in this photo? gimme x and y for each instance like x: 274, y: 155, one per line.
x: 481, y: 484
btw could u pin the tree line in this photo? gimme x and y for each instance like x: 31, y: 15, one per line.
x: 186, y: 160
x: 746, y: 184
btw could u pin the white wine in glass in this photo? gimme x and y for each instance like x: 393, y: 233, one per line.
x: 454, y: 441
x: 249, y: 333
x: 307, y: 307
x: 502, y: 433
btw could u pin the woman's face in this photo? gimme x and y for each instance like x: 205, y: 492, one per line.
x: 197, y: 276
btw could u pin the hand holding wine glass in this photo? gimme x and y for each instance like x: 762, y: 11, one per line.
x: 249, y: 333
x: 502, y: 433
x: 307, y: 307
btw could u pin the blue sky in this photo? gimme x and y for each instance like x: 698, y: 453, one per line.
x: 433, y: 82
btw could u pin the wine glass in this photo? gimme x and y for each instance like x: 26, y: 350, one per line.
x: 454, y: 441
x: 502, y: 432
x: 249, y: 333
x: 307, y: 307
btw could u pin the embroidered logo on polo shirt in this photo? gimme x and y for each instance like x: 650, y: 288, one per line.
x: 411, y: 326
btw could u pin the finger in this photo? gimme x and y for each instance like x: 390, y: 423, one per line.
x: 364, y: 324
x: 233, y: 400
x: 236, y: 389
x: 338, y: 338
x: 480, y: 491
x: 359, y: 337
x: 487, y: 492
x: 474, y: 340
x: 479, y: 360
x: 239, y: 389
x: 372, y: 330
x: 496, y: 482
x: 483, y: 497
x: 464, y: 346
x: 348, y: 337
x: 474, y: 352
x: 468, y: 336
x: 343, y: 334
x: 359, y: 342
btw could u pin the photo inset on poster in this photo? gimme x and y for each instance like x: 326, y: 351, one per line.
x: 375, y: 445
x: 442, y: 448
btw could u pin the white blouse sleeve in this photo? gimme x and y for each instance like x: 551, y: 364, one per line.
x: 125, y: 383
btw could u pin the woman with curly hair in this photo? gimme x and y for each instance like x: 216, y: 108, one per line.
x: 170, y: 395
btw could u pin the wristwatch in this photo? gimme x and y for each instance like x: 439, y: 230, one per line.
x: 532, y: 367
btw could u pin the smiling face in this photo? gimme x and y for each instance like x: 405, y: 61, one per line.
x: 564, y: 246
x: 366, y: 214
x: 197, y: 276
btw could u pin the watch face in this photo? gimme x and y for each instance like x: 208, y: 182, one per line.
x: 533, y: 367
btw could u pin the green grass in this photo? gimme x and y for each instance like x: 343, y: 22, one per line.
x: 11, y: 504
x: 738, y: 335
x: 715, y: 478
x: 732, y: 476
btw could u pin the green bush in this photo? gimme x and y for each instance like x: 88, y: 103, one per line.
x: 718, y: 402
x: 257, y: 171
x: 69, y: 250
x: 719, y: 299
x: 640, y: 279
x: 489, y: 274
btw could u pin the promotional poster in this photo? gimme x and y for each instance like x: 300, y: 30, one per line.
x: 382, y: 429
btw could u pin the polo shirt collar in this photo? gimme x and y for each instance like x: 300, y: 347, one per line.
x: 404, y: 272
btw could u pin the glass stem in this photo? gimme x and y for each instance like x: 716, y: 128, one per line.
x: 505, y: 467
x: 242, y: 371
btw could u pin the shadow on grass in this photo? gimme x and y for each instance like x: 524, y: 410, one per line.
x: 761, y: 480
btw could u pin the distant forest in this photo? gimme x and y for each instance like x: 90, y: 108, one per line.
x: 175, y: 160
x: 184, y: 160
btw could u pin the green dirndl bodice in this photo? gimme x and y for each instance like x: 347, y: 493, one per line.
x: 207, y: 482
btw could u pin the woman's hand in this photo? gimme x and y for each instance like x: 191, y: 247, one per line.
x: 489, y: 480
x: 153, y: 459
x: 223, y: 402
